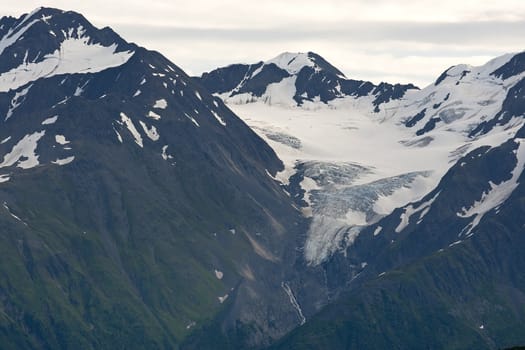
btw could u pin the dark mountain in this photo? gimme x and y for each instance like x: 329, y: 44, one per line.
x: 135, y: 205
x: 294, y: 78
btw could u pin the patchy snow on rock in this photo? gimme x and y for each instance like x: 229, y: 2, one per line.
x: 16, y: 33
x: 223, y: 299
x: 75, y: 56
x: 410, y: 210
x: 4, y: 177
x: 61, y: 140
x: 496, y: 196
x: 78, y: 91
x: 5, y: 140
x: 219, y: 274
x: 12, y: 214
x: 138, y: 92
x: 455, y: 243
x: 153, y: 115
x: 17, y: 101
x: 24, y: 149
x: 161, y: 104
x: 192, y: 120
x: 165, y: 154
x: 151, y: 132
x: 118, y: 135
x: 377, y: 230
x: 293, y: 301
x: 219, y: 119
x: 51, y: 120
x: 64, y: 161
x: 132, y: 129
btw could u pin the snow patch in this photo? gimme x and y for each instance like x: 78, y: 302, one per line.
x: 219, y: 119
x: 16, y: 101
x: 150, y: 132
x: 153, y: 115
x: 131, y: 127
x: 61, y: 140
x: 165, y: 154
x: 16, y: 33
x: 293, y: 301
x: 24, y: 149
x: 64, y: 161
x: 219, y: 274
x: 50, y: 120
x: 192, y: 120
x: 118, y: 135
x: 161, y: 104
x: 12, y: 214
x: 5, y: 140
x: 410, y: 210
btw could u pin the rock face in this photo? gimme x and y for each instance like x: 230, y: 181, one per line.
x: 124, y: 187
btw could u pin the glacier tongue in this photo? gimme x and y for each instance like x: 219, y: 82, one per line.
x: 351, y: 174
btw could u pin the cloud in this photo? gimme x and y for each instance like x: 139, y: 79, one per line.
x: 402, y: 40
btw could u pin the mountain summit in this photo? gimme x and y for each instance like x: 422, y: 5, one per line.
x: 294, y: 79
x: 49, y: 42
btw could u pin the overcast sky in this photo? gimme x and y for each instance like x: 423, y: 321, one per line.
x: 378, y: 40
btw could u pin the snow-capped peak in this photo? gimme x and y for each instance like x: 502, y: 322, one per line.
x: 294, y: 79
x: 67, y: 43
x: 292, y: 62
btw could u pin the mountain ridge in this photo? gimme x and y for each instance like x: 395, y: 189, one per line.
x: 294, y: 79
